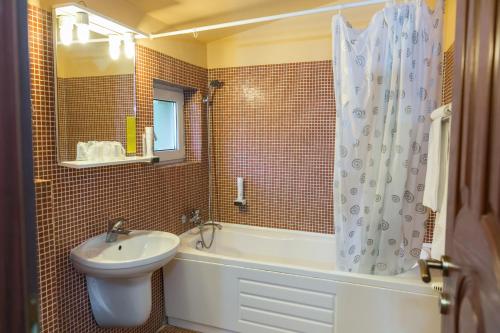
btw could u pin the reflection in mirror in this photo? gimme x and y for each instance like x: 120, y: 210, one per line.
x: 95, y: 90
x: 94, y: 95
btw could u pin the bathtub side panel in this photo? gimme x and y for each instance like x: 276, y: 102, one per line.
x: 362, y: 308
x: 203, y: 293
x: 240, y: 299
x: 222, y: 297
x: 278, y: 302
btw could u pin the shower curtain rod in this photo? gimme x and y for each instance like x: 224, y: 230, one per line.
x: 270, y: 18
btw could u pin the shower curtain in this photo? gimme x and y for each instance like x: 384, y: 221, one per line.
x: 387, y: 82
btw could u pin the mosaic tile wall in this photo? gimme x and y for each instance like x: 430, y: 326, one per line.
x: 93, y: 108
x: 73, y: 205
x: 275, y: 126
x: 46, y: 256
x: 449, y: 57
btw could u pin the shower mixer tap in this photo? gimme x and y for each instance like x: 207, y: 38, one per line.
x: 195, y: 218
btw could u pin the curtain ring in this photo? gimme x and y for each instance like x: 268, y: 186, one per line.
x: 195, y: 34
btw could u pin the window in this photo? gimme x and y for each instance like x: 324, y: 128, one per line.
x: 168, y: 122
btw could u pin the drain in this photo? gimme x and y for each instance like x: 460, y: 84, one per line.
x: 119, y: 248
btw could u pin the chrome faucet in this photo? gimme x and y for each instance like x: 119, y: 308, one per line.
x: 115, y: 227
x: 215, y: 224
x: 195, y: 218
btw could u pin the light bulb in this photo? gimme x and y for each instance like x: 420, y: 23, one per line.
x: 114, y: 46
x: 66, y: 29
x: 82, y: 27
x: 129, y: 45
x: 83, y: 33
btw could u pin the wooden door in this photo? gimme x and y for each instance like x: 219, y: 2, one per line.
x: 473, y: 226
x: 17, y: 218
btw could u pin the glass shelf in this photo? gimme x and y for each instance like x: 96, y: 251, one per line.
x: 94, y: 164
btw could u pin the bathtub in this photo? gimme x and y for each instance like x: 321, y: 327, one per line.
x: 266, y: 280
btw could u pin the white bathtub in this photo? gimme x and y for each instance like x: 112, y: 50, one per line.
x: 270, y: 280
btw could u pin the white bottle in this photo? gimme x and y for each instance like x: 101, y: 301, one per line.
x: 149, y: 141
x: 239, y: 185
x: 240, y: 201
x: 144, y: 149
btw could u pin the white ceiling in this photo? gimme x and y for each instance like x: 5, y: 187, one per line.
x: 179, y: 14
x: 153, y: 16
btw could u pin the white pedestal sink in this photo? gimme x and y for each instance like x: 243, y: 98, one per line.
x: 119, y: 274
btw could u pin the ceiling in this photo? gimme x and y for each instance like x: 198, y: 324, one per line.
x: 154, y: 16
x: 179, y: 14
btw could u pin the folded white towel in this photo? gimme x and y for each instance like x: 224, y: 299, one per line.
x: 442, y: 112
x: 436, y: 181
x: 82, y: 151
x: 439, y: 234
x: 438, y: 147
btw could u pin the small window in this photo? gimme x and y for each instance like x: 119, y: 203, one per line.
x: 168, y: 123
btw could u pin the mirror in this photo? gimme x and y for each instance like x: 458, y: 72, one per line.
x: 94, y: 91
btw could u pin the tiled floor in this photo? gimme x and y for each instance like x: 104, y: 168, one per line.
x: 173, y: 329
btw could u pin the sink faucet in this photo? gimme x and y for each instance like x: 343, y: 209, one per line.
x: 115, y: 227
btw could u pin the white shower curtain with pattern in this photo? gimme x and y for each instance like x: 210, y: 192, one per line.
x: 387, y: 82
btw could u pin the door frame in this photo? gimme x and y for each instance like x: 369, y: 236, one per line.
x: 18, y: 275
x: 474, y: 177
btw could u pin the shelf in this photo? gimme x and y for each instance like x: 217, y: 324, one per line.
x: 94, y: 164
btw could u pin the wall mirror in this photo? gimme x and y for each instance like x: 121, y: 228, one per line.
x: 95, y: 94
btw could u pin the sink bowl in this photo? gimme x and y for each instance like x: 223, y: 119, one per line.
x: 118, y: 274
x: 131, y: 255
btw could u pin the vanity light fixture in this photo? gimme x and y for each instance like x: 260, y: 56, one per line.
x: 115, y: 42
x: 129, y: 45
x: 82, y: 27
x: 88, y: 21
x: 66, y: 29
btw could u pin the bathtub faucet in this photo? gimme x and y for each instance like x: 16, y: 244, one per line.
x: 215, y: 224
x: 195, y: 218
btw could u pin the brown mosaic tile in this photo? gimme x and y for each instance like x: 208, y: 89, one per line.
x: 47, y: 278
x: 74, y: 205
x: 173, y: 329
x: 93, y: 108
x: 449, y: 57
x: 275, y: 126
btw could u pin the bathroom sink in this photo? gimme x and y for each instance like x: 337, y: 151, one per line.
x: 138, y: 252
x: 119, y: 274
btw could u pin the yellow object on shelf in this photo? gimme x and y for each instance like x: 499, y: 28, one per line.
x: 131, y: 135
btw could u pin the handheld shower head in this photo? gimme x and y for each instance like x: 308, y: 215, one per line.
x: 214, y: 84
